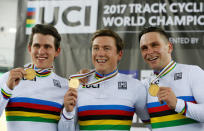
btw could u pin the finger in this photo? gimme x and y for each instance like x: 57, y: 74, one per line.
x: 20, y: 72
x: 70, y: 102
x: 70, y: 98
x: 83, y: 80
x: 23, y: 72
x: 72, y: 91
x: 161, y: 100
x: 162, y: 93
x: 16, y: 76
x: 83, y: 71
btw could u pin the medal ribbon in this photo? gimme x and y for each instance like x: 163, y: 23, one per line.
x: 79, y: 76
x: 166, y: 70
x: 40, y: 72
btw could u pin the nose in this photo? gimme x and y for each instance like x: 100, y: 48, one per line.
x: 100, y: 52
x: 149, y: 50
x: 41, y: 50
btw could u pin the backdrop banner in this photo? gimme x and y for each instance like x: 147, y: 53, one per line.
x: 76, y: 20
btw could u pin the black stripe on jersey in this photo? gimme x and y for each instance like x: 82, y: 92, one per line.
x: 162, y: 113
x: 32, y: 110
x: 104, y: 117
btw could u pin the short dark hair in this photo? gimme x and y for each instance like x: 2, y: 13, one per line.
x: 108, y: 32
x: 153, y: 29
x: 46, y: 29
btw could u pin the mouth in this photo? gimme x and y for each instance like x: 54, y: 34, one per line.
x: 101, y: 61
x: 152, y: 58
x: 41, y: 58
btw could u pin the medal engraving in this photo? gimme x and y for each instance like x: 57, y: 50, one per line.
x: 153, y: 89
x: 30, y: 74
x: 73, y: 83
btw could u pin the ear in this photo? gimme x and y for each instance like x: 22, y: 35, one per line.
x: 29, y: 49
x: 57, y: 52
x: 120, y: 54
x: 170, y: 45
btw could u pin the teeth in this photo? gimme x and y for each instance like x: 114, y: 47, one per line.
x: 101, y: 61
x: 41, y: 58
x: 151, y: 59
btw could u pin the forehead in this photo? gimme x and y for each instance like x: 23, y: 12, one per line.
x: 43, y: 39
x: 151, y: 37
x: 104, y: 41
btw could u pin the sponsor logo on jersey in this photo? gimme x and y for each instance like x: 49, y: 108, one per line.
x: 122, y: 85
x: 57, y: 83
x: 92, y: 86
x: 178, y: 76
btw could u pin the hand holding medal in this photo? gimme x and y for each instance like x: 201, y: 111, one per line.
x: 154, y: 88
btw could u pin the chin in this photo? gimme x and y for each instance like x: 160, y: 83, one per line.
x: 99, y: 70
x: 41, y: 66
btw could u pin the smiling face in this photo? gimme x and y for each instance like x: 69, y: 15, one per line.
x: 43, y: 51
x: 104, y: 54
x: 156, y: 50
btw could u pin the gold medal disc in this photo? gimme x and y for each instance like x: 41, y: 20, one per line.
x: 73, y: 83
x: 153, y: 89
x: 30, y: 74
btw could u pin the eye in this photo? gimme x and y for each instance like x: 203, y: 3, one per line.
x: 36, y: 45
x: 47, y: 46
x: 143, y: 48
x: 155, y: 44
x: 106, y: 48
x: 95, y: 48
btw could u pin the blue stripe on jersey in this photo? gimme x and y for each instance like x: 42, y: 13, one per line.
x: 186, y: 98
x: 156, y: 104
x: 35, y: 101
x: 105, y: 107
x: 31, y: 9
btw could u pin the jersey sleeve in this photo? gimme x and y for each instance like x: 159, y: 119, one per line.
x: 5, y: 92
x: 140, y: 105
x: 190, y: 109
x: 68, y: 121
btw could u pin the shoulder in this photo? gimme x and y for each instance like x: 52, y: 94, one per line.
x: 55, y: 76
x: 130, y: 80
x: 190, y: 68
x: 4, y: 76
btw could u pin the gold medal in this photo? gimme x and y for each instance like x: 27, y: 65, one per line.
x: 30, y: 74
x: 74, y: 83
x: 153, y: 89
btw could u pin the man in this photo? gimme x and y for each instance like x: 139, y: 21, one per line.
x: 35, y: 105
x: 109, y: 100
x: 180, y: 101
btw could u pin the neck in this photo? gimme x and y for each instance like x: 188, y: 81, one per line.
x: 102, y: 74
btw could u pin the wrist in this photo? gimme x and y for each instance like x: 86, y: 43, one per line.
x: 67, y: 115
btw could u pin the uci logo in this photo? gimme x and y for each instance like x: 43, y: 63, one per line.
x: 91, y: 86
x: 67, y: 16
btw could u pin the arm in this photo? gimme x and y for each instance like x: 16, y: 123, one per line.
x: 189, y: 109
x: 7, y: 83
x: 68, y: 120
x: 141, y: 108
x: 5, y: 92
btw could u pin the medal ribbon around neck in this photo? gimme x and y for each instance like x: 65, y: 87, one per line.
x: 40, y: 72
x: 165, y: 71
x: 80, y: 76
x: 154, y: 88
